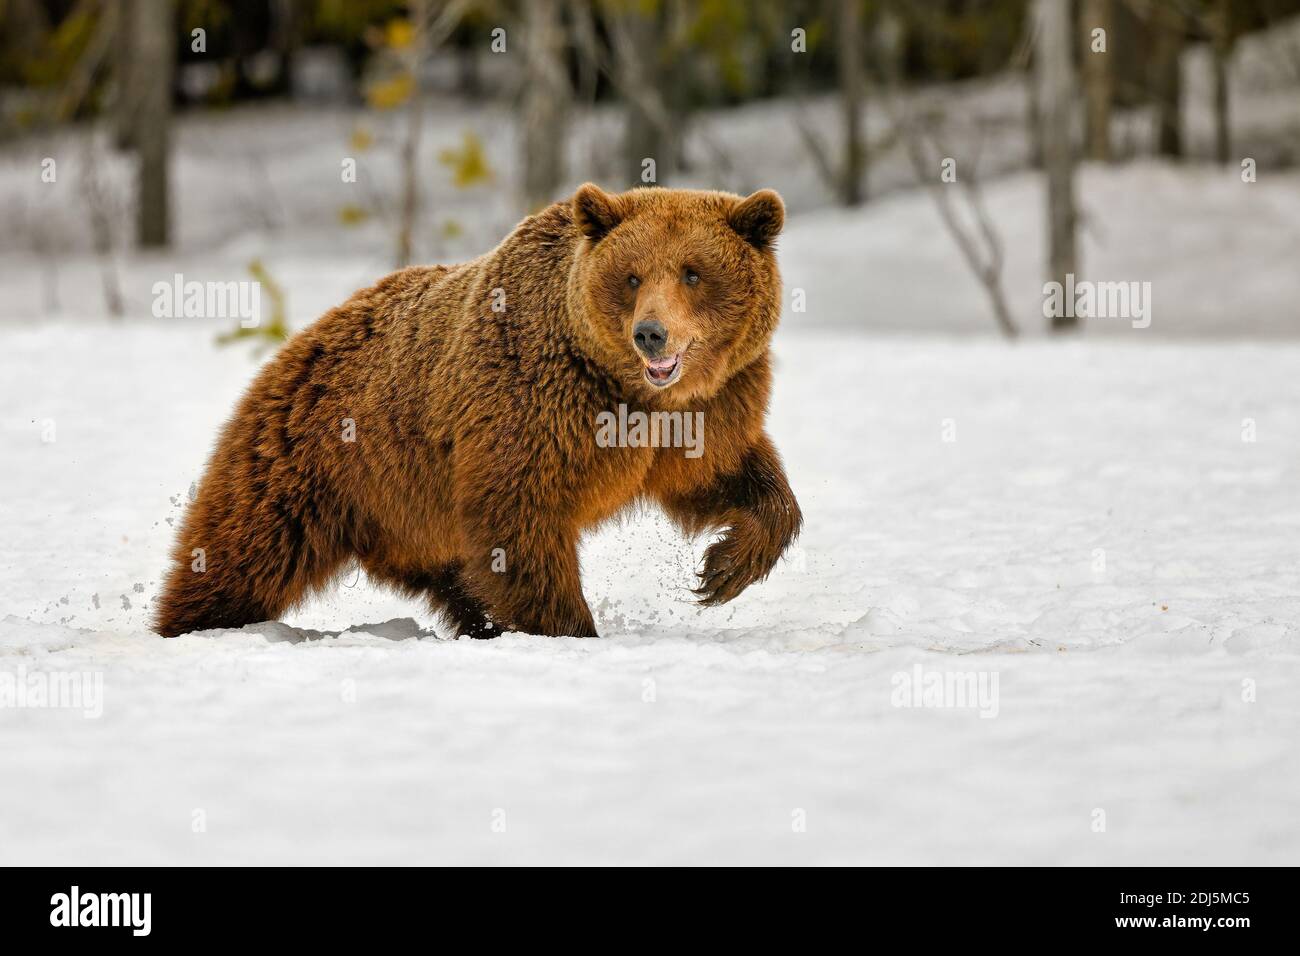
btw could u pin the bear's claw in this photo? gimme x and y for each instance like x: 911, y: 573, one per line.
x: 730, y: 565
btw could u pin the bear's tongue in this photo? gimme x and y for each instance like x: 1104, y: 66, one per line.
x: 662, y: 368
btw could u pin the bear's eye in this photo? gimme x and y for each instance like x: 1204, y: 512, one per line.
x: 691, y: 277
x: 633, y: 281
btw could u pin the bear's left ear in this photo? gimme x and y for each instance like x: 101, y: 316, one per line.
x: 759, y: 218
x: 596, y: 212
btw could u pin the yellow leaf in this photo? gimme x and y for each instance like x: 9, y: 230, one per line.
x: 399, y: 34
x: 468, y: 164
x: 353, y: 215
x: 390, y: 93
x: 361, y: 139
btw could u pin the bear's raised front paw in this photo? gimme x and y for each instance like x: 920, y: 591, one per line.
x: 731, y: 564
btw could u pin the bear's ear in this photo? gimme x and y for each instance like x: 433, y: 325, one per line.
x: 759, y: 218
x: 596, y: 212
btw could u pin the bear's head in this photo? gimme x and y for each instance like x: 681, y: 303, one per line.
x: 675, y: 290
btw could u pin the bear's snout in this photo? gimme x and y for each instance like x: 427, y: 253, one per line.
x: 650, y: 337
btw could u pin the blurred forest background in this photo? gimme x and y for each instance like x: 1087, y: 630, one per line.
x: 314, y: 144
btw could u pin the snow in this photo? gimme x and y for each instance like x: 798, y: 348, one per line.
x: 689, y: 735
x: 1088, y: 522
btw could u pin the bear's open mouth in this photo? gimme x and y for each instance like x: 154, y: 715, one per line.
x: 662, y: 372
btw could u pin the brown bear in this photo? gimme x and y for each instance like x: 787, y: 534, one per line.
x: 444, y: 427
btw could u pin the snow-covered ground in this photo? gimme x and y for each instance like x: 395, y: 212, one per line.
x: 1097, y: 537
x: 1105, y: 527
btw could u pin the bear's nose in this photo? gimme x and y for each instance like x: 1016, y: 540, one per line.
x: 650, y: 337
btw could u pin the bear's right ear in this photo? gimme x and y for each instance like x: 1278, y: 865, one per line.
x: 596, y: 212
x: 759, y: 218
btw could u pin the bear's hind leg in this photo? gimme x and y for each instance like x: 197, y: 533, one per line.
x: 444, y: 589
x: 236, y: 564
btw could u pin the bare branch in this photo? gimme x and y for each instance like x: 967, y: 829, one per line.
x: 983, y: 251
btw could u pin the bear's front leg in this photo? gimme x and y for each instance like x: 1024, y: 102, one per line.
x: 525, y: 573
x: 519, y: 542
x: 755, y: 505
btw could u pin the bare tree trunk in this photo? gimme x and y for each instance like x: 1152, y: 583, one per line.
x: 545, y: 106
x: 1023, y: 59
x: 155, y: 58
x: 1034, y: 122
x: 585, y: 42
x: 587, y: 49
x: 1167, y: 80
x: 126, y: 75
x: 286, y: 30
x: 852, y: 94
x: 429, y: 33
x: 27, y: 23
x: 1222, y: 49
x: 1053, y: 63
x: 1098, y: 83
x: 80, y: 83
x: 637, y: 39
x: 677, y: 76
x: 469, y: 80
x: 101, y: 215
x: 409, y: 210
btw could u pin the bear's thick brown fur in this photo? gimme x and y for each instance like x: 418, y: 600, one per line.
x: 471, y: 395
